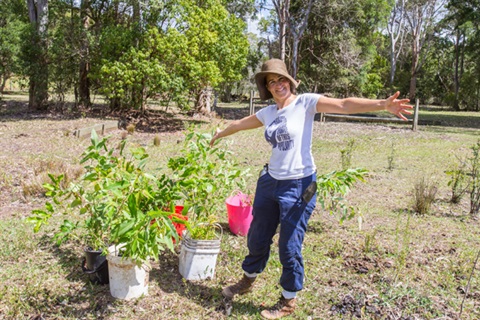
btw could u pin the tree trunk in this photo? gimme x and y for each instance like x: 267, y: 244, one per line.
x: 3, y: 83
x: 395, y: 28
x: 84, y: 68
x: 393, y: 67
x: 297, y: 28
x: 421, y: 16
x: 296, y: 42
x: 203, y: 104
x: 282, y: 7
x: 413, y: 75
x: 38, y: 82
x: 227, y: 93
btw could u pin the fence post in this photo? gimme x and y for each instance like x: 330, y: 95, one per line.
x: 415, y: 115
x: 252, y: 109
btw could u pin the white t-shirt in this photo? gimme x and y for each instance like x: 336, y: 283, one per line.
x: 289, y: 131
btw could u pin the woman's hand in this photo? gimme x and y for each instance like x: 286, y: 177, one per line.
x: 398, y: 107
x: 246, y: 123
x: 215, y: 137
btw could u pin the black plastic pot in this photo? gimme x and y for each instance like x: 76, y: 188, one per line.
x: 96, y: 266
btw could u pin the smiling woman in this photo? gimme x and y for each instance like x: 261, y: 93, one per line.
x: 286, y: 194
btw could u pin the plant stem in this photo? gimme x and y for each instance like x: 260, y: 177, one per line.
x: 468, y: 284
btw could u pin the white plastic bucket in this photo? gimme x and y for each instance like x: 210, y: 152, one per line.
x: 198, y: 258
x: 127, y: 280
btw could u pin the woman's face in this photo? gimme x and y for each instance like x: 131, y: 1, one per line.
x: 278, y: 85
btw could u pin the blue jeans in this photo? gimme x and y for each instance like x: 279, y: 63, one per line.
x: 280, y: 202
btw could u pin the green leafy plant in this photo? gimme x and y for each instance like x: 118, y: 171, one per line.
x: 403, y: 239
x: 347, y: 154
x: 458, y: 182
x: 370, y: 243
x: 116, y: 202
x: 205, y: 176
x: 332, y: 188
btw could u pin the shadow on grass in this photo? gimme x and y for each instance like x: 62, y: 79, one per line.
x: 68, y: 259
x: 315, y: 226
x: 205, y: 293
x: 232, y: 113
x: 170, y: 280
x: 91, y: 298
x: 151, y: 121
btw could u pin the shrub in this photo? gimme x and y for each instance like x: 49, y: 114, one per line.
x: 424, y: 196
x: 206, y: 177
x: 458, y: 182
x: 115, y: 202
x: 332, y: 188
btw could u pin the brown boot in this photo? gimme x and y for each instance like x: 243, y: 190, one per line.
x: 243, y: 286
x: 283, y: 308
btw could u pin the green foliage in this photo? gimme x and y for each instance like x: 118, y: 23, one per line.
x: 391, y: 157
x: 370, y: 243
x: 141, y: 72
x: 402, y: 239
x: 10, y: 42
x: 64, y: 56
x: 465, y: 178
x: 34, y: 66
x: 458, y: 182
x: 201, y: 47
x: 115, y: 202
x: 344, y: 37
x: 334, y: 186
x: 206, y: 176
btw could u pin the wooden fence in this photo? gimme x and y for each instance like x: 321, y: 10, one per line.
x: 101, y: 129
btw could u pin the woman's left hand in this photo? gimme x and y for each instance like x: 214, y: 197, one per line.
x: 398, y: 107
x: 215, y: 137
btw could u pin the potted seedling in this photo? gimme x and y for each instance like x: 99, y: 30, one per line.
x: 115, y: 202
x: 205, y: 176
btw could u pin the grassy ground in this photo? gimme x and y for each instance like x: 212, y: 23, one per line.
x: 386, y: 263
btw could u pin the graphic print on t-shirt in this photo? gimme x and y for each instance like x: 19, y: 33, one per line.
x: 277, y: 134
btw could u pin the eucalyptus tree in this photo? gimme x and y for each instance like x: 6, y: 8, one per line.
x: 84, y: 55
x: 396, y: 35
x: 297, y: 19
x: 281, y: 8
x: 422, y: 17
x: 37, y: 51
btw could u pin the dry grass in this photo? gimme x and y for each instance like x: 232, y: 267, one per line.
x: 387, y: 263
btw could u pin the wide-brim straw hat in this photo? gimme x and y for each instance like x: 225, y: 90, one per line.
x: 275, y: 66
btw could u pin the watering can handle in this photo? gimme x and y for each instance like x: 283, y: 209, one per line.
x: 235, y: 192
x: 245, y: 199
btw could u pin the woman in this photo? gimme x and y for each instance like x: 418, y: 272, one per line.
x: 286, y: 189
